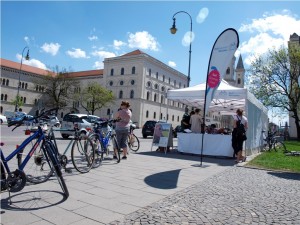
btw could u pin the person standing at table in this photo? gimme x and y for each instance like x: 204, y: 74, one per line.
x: 123, y: 126
x: 185, y: 122
x: 196, y: 121
x: 237, y: 139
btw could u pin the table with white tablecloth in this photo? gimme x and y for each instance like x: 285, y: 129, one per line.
x: 214, y: 144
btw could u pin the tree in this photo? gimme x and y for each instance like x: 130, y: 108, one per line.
x: 58, y: 88
x: 274, y: 80
x: 18, y: 101
x: 94, y: 97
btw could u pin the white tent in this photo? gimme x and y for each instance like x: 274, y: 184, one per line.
x: 226, y: 100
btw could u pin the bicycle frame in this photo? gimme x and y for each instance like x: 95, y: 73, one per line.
x: 104, y: 139
x: 38, y: 134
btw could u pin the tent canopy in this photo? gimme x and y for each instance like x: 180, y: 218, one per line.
x: 226, y: 100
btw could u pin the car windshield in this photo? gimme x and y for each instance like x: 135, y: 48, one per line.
x: 72, y: 118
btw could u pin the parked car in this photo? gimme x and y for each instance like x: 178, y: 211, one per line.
x: 3, y: 119
x: 84, y: 122
x: 51, y: 121
x: 148, y: 128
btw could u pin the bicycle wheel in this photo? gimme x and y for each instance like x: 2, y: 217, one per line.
x: 83, y: 154
x: 280, y: 146
x: 54, y: 164
x: 37, y: 169
x: 133, y: 142
x: 98, y: 150
x: 116, y: 148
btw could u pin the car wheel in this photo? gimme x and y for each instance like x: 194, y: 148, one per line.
x: 144, y: 136
x: 65, y: 135
x: 1, y: 121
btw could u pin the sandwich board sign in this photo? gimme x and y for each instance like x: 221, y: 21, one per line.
x: 162, y: 136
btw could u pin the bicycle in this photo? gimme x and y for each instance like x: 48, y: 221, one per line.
x: 15, y: 181
x: 82, y: 150
x: 102, y: 136
x: 271, y: 143
x: 133, y: 141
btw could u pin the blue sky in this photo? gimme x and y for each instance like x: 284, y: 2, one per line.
x: 78, y: 35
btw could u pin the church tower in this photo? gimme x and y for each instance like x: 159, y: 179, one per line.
x: 229, y: 75
x: 240, y: 73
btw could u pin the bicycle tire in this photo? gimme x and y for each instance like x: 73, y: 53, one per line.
x: 133, y: 142
x: 54, y: 163
x: 37, y: 169
x: 115, y: 144
x: 98, y: 150
x: 83, y: 154
x: 280, y: 146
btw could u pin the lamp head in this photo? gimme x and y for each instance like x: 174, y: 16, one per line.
x: 173, y: 29
x: 27, y: 55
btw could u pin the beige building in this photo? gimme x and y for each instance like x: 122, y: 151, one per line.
x: 136, y: 77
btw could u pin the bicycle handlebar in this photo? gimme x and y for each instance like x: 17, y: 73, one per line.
x: 18, y: 121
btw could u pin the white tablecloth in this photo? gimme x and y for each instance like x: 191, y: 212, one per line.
x: 214, y: 144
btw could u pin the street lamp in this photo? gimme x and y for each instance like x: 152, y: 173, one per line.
x: 19, y: 84
x: 173, y: 30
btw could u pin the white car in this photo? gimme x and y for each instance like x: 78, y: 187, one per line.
x: 3, y: 119
x: 84, y: 121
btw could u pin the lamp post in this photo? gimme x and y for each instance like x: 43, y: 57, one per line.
x: 19, y: 84
x: 173, y: 30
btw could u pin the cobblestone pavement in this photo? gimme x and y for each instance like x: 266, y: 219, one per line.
x: 237, y: 196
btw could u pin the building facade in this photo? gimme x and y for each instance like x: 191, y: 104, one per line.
x: 136, y: 77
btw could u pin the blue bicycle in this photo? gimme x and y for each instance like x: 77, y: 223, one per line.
x: 45, y: 158
x: 103, y: 136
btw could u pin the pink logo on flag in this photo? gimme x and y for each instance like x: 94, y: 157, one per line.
x: 213, y: 79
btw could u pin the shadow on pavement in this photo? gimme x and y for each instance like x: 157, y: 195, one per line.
x: 222, y: 161
x: 286, y: 175
x: 163, y: 180
x: 32, y: 200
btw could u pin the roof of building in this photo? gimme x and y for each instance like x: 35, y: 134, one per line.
x: 136, y: 52
x: 240, y: 64
x: 35, y: 70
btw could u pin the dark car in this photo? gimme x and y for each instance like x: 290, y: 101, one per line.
x: 148, y: 128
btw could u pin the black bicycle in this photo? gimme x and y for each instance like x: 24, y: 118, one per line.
x: 45, y: 160
x: 271, y: 143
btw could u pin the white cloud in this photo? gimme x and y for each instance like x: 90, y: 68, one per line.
x: 98, y: 65
x: 77, y: 53
x: 51, y: 48
x: 118, y: 44
x: 172, y: 64
x: 142, y: 40
x: 32, y: 62
x: 103, y: 54
x: 270, y: 31
x: 203, y: 13
x: 93, y: 38
x: 27, y: 40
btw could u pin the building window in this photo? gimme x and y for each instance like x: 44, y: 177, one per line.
x: 1, y: 109
x: 26, y: 86
x: 164, y: 78
x: 121, y: 94
x: 7, y: 82
x: 3, y: 82
x: 154, y: 115
x: 148, y: 84
x: 169, y: 80
x: 173, y: 118
x: 23, y: 85
x: 239, y: 81
x: 108, y: 112
x: 177, y: 118
x: 112, y: 72
x: 156, y: 86
x: 2, y: 97
x: 162, y: 99
x: 160, y: 116
x: 24, y: 100
x: 148, y: 95
x: 147, y: 114
x: 111, y: 83
x: 5, y: 97
x: 155, y: 97
x: 156, y: 75
x: 35, y: 101
x: 163, y: 89
x: 132, y: 82
x: 133, y: 70
x: 61, y: 114
x: 132, y: 94
x: 121, y: 82
x: 179, y: 84
x: 174, y: 83
x: 149, y: 72
x: 228, y: 71
x: 122, y: 71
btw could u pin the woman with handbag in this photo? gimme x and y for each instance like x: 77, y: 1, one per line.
x: 240, y: 126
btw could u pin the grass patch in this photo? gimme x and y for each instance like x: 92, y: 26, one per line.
x: 278, y: 160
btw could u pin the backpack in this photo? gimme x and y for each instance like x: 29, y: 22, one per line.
x: 240, y: 129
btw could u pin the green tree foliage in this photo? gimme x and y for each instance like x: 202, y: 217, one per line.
x: 273, y: 79
x: 93, y: 97
x: 18, y: 101
x: 58, y: 88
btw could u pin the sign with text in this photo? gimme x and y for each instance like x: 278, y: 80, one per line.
x: 162, y: 135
